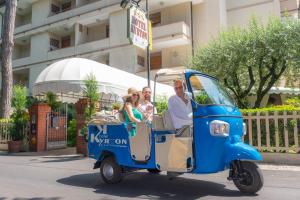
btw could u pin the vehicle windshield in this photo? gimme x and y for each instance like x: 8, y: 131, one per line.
x: 208, y: 91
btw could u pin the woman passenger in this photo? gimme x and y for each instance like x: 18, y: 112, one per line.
x: 130, y: 110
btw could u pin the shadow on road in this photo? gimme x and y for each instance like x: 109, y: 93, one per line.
x: 62, y: 159
x: 145, y: 185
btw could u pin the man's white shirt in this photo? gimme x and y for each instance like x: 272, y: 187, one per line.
x: 181, y: 113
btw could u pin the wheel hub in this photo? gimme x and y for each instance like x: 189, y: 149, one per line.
x: 108, y: 171
x: 246, y: 178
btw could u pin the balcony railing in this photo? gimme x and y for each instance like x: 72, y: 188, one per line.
x: 21, y: 61
x: 86, y: 8
x: 178, y: 28
x: 60, y: 53
x: 175, y: 34
x: 23, y: 28
x: 92, y: 46
x: 79, y: 49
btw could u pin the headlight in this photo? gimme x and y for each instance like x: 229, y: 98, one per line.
x: 219, y: 128
x: 244, y: 128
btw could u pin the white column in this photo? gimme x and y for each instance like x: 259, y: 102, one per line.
x: 209, y: 18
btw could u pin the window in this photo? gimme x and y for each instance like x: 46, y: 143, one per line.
x: 54, y: 44
x: 55, y: 9
x: 65, y: 41
x: 208, y: 91
x: 155, y: 19
x: 141, y: 61
x: 107, y: 31
x: 66, y: 6
x: 155, y: 61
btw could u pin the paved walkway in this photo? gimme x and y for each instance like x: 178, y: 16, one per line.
x: 60, y: 177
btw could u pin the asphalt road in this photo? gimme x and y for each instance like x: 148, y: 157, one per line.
x: 55, y: 178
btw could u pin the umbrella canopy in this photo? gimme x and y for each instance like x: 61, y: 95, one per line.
x: 66, y: 78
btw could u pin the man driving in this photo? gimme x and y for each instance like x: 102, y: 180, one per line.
x: 180, y: 107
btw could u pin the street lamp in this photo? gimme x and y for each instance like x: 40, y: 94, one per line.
x: 124, y: 4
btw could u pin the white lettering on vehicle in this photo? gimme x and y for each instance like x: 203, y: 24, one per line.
x: 101, y: 137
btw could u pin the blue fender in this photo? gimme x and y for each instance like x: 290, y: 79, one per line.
x: 240, y: 151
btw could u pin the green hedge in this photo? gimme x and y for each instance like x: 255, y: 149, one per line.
x: 280, y: 108
x: 5, y: 120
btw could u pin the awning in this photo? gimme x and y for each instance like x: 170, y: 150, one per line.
x: 66, y: 79
x: 284, y: 90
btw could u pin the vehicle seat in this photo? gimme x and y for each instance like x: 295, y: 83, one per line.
x: 184, y: 131
x: 140, y: 144
x: 157, y: 123
x: 167, y: 120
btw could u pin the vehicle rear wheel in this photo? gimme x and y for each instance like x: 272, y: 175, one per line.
x: 250, y: 179
x: 154, y: 171
x: 110, y: 171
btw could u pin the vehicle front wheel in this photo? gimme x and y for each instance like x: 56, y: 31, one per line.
x: 110, y: 171
x: 250, y: 179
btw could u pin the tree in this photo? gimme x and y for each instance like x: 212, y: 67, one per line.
x: 251, y: 60
x: 6, y: 60
x: 51, y: 100
x: 20, y: 115
x: 91, y: 92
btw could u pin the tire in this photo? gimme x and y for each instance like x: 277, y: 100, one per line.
x: 110, y: 171
x: 153, y: 171
x: 252, y: 180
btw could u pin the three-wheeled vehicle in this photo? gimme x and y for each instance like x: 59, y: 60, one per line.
x: 213, y: 143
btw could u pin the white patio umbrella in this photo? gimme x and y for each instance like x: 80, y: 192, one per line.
x: 66, y: 79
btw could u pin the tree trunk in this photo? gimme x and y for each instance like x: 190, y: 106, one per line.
x: 6, y: 61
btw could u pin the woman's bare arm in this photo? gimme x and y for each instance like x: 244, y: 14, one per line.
x: 128, y: 109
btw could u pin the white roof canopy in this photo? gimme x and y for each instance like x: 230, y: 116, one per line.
x: 66, y: 78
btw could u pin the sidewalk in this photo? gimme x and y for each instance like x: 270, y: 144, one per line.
x: 268, y: 158
x: 67, y: 152
x: 281, y: 159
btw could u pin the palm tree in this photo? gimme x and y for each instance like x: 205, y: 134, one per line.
x: 6, y: 59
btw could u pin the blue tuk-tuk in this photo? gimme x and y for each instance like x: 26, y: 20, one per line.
x: 212, y: 144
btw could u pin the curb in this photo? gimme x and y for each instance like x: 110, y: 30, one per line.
x: 281, y: 159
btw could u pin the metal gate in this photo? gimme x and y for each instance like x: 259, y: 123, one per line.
x: 56, y: 129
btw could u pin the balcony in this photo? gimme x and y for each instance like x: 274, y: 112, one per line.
x: 61, y: 53
x: 84, y: 2
x: 21, y: 52
x: 82, y: 9
x: 23, y: 28
x: 92, y: 46
x: 170, y: 35
x: 153, y: 72
x: 21, y: 61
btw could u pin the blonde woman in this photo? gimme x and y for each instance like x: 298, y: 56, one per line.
x: 130, y: 110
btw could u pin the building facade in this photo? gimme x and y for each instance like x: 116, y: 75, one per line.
x: 50, y: 30
x: 290, y: 7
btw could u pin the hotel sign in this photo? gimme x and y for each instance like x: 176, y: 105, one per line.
x: 137, y: 27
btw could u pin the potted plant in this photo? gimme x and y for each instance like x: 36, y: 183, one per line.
x: 116, y: 107
x: 19, y: 117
